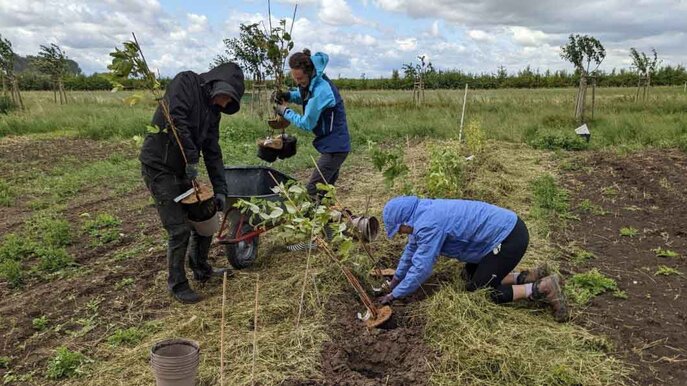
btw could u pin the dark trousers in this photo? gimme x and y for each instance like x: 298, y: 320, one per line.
x: 489, y: 272
x: 181, y: 236
x: 329, y: 164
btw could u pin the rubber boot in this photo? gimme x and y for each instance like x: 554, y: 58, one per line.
x: 548, y: 290
x: 531, y: 276
x: 184, y: 294
x: 198, y: 249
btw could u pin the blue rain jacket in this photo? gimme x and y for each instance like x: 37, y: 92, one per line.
x: 323, y: 111
x: 461, y: 229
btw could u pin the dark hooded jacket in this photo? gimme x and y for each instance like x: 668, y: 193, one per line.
x: 197, y: 123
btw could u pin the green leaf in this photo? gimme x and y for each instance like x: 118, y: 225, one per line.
x: 276, y: 213
x: 153, y: 129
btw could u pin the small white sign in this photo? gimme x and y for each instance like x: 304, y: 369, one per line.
x: 582, y: 130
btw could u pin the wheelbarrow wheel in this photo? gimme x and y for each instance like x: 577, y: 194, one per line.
x: 242, y: 254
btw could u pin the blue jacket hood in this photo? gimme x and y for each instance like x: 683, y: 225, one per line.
x: 399, y: 211
x: 319, y: 61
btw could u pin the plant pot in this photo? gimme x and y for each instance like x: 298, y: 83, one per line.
x: 175, y: 362
x: 267, y: 154
x: 289, y: 146
x: 207, y: 227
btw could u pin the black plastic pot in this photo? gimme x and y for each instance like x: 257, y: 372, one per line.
x: 289, y: 149
x: 268, y: 154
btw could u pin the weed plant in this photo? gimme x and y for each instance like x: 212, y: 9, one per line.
x: 582, y: 287
x: 65, y: 363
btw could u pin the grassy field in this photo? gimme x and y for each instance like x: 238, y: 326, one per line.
x: 82, y: 267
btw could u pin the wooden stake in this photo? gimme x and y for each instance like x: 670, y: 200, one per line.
x: 462, y: 116
x: 221, y: 333
x: 255, y: 328
x: 305, y: 280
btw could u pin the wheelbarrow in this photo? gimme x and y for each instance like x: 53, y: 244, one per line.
x: 241, y: 239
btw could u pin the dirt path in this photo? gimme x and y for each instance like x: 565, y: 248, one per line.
x: 646, y: 191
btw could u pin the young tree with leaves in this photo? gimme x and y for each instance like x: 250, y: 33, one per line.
x: 51, y: 60
x: 583, y: 51
x: 7, y: 57
x: 645, y: 67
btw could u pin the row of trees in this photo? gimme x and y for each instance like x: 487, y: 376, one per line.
x: 525, y: 78
x: 51, y: 63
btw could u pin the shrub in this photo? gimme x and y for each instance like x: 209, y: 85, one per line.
x: 446, y: 174
x: 558, y: 141
x: 65, y: 363
x: 475, y: 138
x: 389, y: 162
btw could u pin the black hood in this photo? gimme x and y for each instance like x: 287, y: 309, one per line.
x: 230, y: 73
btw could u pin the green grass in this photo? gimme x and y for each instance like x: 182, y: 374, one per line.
x: 125, y: 282
x: 50, y: 229
x: 550, y: 200
x: 5, y: 362
x: 65, y: 364
x: 664, y: 270
x: 582, y: 287
x: 661, y: 252
x: 629, y: 231
x: 40, y: 324
x: 6, y: 193
x: 104, y: 228
x: 587, y: 206
x: 126, y: 337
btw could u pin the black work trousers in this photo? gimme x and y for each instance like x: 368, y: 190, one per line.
x: 489, y: 272
x: 182, y: 238
x: 329, y: 164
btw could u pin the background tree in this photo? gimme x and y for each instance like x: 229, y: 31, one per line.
x: 645, y: 66
x: 418, y: 72
x: 582, y: 51
x: 52, y: 61
x: 9, y: 80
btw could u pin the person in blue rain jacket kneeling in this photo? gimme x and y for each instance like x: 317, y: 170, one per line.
x: 490, y: 240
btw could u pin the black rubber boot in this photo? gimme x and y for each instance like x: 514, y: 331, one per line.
x: 198, y: 249
x: 184, y: 294
x: 549, y: 290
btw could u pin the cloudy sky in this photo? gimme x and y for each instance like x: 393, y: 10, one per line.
x: 361, y: 36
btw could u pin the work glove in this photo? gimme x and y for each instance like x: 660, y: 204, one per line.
x: 192, y: 171
x: 394, y: 282
x: 386, y: 299
x: 280, y: 109
x: 280, y: 97
x: 220, y: 201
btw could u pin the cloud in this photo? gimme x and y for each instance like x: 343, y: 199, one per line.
x: 434, y: 31
x: 338, y: 13
x: 408, y: 44
x: 481, y: 36
x: 528, y: 37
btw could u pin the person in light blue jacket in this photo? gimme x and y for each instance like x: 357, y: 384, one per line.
x: 490, y: 240
x: 323, y: 115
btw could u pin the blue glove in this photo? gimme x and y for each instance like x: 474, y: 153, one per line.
x: 386, y: 299
x: 192, y: 171
x: 220, y: 201
x: 280, y: 109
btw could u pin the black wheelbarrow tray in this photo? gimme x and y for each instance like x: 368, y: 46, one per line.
x: 245, y: 182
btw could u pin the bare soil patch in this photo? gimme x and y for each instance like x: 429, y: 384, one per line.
x: 646, y: 191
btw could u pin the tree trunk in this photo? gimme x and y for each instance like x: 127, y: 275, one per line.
x: 648, y: 84
x: 593, y: 96
x: 639, y: 86
x: 581, y: 97
x: 15, y: 90
x: 4, y: 85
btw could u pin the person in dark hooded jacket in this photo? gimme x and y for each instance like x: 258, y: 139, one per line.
x: 490, y: 240
x: 195, y: 106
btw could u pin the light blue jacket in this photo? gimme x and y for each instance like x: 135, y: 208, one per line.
x: 461, y: 229
x: 323, y: 111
